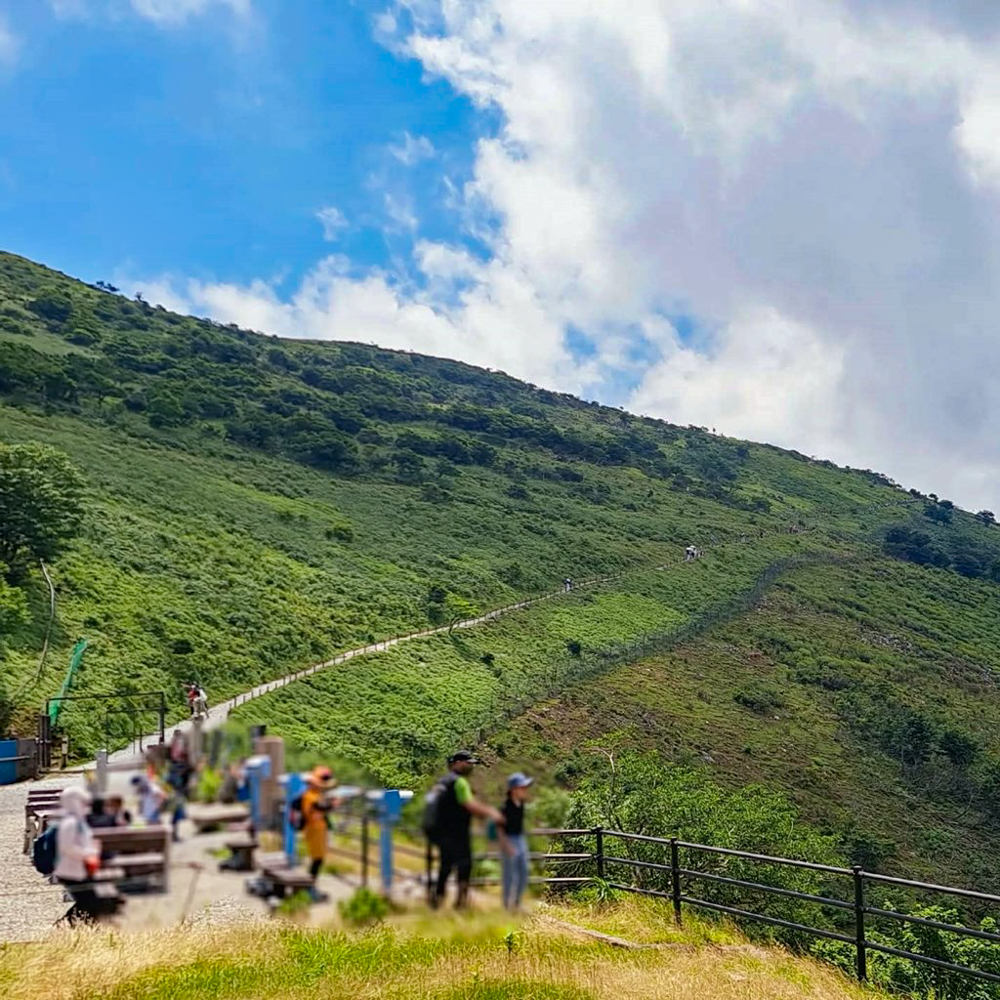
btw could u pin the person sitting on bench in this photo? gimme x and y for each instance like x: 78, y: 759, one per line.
x: 77, y: 857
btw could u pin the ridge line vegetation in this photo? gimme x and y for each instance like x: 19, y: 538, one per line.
x: 252, y: 505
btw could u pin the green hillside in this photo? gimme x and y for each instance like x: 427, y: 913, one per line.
x: 254, y: 505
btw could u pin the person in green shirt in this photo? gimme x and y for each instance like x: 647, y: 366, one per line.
x: 456, y: 808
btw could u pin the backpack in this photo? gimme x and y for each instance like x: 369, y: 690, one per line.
x: 433, y: 816
x: 296, y: 815
x: 43, y: 851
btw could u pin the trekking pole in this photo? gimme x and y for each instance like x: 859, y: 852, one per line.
x: 196, y: 868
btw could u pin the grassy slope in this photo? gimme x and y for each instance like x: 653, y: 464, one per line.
x: 875, y: 634
x: 400, y: 711
x: 444, y: 960
x: 259, y: 563
x: 240, y: 555
x: 232, y: 556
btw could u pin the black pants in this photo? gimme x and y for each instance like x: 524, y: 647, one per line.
x: 86, y: 906
x: 454, y: 854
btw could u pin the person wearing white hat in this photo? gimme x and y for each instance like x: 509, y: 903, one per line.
x: 77, y: 855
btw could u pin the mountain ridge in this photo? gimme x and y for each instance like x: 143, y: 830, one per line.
x: 256, y: 505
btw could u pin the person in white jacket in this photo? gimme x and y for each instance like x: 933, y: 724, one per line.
x: 77, y: 855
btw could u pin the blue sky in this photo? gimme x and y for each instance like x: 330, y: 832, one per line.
x: 207, y: 147
x: 741, y: 214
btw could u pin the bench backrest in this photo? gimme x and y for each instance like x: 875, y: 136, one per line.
x: 134, y: 839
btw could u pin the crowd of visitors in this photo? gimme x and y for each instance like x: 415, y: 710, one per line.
x: 164, y: 788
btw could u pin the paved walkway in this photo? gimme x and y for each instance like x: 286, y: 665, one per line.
x: 198, y: 891
x: 28, y: 904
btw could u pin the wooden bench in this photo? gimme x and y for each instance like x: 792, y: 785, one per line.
x: 35, y: 793
x: 46, y: 816
x: 142, y: 852
x: 288, y: 881
x: 44, y: 796
x: 38, y: 799
x: 240, y: 854
x: 213, y: 815
x: 134, y: 865
x: 37, y: 822
x: 284, y: 881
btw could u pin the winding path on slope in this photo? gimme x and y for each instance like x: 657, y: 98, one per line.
x: 219, y: 713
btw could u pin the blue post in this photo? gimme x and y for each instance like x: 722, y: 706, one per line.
x: 389, y: 814
x: 389, y: 804
x: 294, y: 787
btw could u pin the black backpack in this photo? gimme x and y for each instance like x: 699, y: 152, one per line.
x: 433, y: 818
x: 296, y: 814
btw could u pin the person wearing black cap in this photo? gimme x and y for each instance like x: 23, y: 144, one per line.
x: 513, y: 841
x: 455, y: 808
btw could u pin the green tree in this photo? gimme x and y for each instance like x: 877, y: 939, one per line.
x: 457, y: 609
x: 40, y: 505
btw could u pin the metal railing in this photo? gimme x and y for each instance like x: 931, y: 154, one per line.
x: 855, y: 884
x: 599, y: 864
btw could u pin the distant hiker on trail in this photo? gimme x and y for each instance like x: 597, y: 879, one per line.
x: 567, y: 585
x: 690, y: 553
x: 514, y: 841
x: 197, y: 701
x: 77, y: 856
x: 448, y: 812
x: 314, y: 825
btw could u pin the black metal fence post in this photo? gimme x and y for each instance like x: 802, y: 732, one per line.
x: 675, y: 879
x: 599, y: 850
x: 861, y: 960
x: 429, y: 871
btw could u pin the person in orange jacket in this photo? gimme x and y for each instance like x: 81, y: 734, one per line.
x: 315, y: 807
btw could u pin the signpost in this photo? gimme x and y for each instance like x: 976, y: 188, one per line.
x: 388, y: 804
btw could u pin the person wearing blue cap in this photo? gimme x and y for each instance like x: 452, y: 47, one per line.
x: 514, y: 841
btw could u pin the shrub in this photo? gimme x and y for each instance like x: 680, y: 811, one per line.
x: 759, y: 698
x: 646, y: 795
x: 363, y: 908
x: 209, y: 784
x: 52, y: 306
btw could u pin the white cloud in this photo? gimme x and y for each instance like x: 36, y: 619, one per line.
x: 69, y: 9
x: 9, y: 44
x: 412, y: 150
x: 166, y: 13
x: 178, y: 11
x: 332, y: 220
x: 400, y: 212
x: 817, y: 182
x: 329, y: 304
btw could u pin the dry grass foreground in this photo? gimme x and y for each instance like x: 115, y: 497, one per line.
x: 479, y: 958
